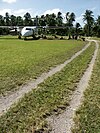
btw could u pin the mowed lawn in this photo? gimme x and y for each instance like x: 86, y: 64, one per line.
x: 21, y: 61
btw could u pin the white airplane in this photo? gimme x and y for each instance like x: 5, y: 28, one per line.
x: 29, y: 31
x: 26, y: 31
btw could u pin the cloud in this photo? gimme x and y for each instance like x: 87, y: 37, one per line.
x: 20, y: 12
x: 9, y: 1
x: 55, y: 11
x: 3, y: 11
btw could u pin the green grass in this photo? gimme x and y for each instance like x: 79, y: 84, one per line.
x: 87, y: 118
x: 21, y: 61
x: 54, y: 94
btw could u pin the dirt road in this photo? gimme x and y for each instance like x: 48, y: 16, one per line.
x: 63, y: 122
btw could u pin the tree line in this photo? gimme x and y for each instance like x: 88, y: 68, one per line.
x: 73, y: 28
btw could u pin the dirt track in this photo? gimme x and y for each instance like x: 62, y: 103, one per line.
x: 7, y: 101
x: 63, y: 122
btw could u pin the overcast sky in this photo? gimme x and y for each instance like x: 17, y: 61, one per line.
x: 39, y: 7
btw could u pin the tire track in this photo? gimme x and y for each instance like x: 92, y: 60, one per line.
x: 63, y: 122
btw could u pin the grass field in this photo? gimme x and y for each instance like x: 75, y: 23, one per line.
x: 54, y: 94
x: 87, y: 118
x: 21, y: 61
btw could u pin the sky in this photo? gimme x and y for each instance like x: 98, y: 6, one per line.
x: 40, y: 7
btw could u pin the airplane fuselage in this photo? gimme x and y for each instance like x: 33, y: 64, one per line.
x: 28, y: 31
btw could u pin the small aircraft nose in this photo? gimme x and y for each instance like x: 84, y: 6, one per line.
x: 24, y: 34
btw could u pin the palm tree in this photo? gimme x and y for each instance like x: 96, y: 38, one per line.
x: 7, y: 19
x: 2, y: 23
x: 13, y: 20
x: 19, y: 21
x: 28, y: 20
x: 98, y: 20
x: 42, y: 20
x: 59, y: 19
x: 96, y: 27
x: 88, y: 17
x: 2, y: 20
x: 70, y: 17
x: 77, y: 29
x: 36, y: 21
